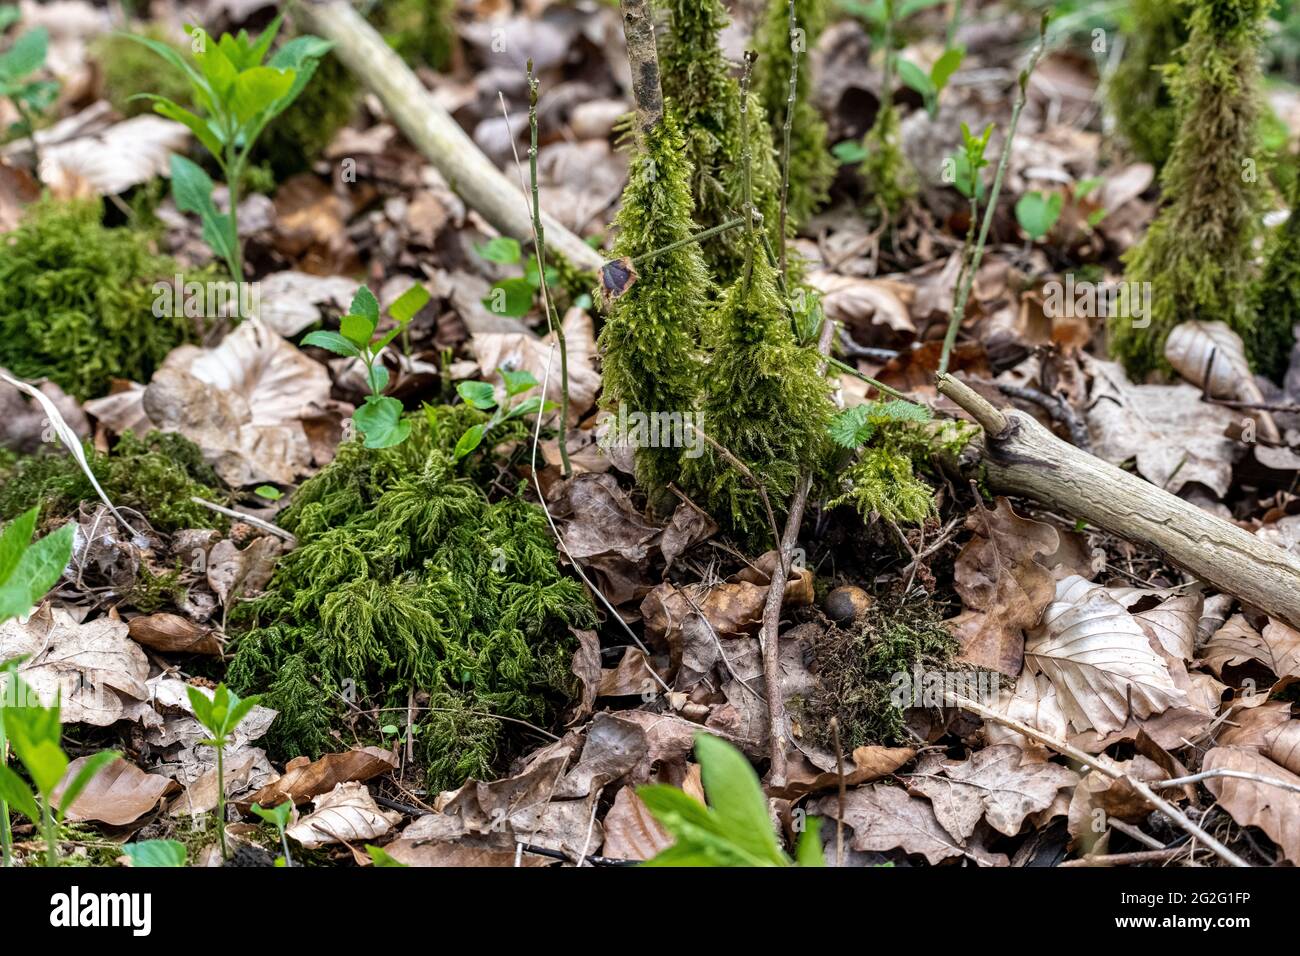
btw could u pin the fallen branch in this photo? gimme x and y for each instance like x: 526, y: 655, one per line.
x: 1021, y: 457
x: 433, y: 131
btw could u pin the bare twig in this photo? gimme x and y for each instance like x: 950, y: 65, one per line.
x: 248, y: 519
x: 1105, y: 766
x: 1127, y: 859
x: 1234, y: 774
x: 788, y: 129
x: 639, y: 31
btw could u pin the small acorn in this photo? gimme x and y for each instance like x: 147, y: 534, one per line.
x: 848, y: 603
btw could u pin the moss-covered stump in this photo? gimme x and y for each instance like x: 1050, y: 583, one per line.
x: 407, y: 578
x: 76, y: 300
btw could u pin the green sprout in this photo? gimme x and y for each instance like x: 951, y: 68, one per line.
x: 220, y: 715
x: 483, y: 396
x: 278, y: 817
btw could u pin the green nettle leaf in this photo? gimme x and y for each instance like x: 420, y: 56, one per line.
x: 512, y: 297
x: 358, y: 329
x: 409, y: 303
x: 1037, y: 214
x: 156, y: 853
x: 192, y: 190
x: 479, y: 394
x: 27, y: 55
x: 27, y: 572
x: 472, y: 438
x: 502, y: 249
x: 846, y: 425
x: 380, y: 421
x: 517, y: 381
x: 332, y: 341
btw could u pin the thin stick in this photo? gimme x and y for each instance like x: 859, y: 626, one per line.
x: 839, y: 771
x: 698, y: 237
x: 248, y: 519
x: 789, y: 126
x: 1105, y: 766
x: 1234, y: 774
x: 1127, y: 859
x: 879, y: 386
x: 746, y: 166
x: 990, y: 207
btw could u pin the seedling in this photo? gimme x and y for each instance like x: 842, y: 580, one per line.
x: 380, y: 418
x: 483, y: 396
x: 278, y: 817
x: 239, y: 95
x: 513, y: 296
x: 34, y: 735
x: 18, y: 67
x: 734, y: 829
x: 380, y: 857
x: 220, y: 715
x: 1038, y: 213
x: 931, y: 84
x: 854, y: 427
x: 27, y: 571
x: 156, y: 853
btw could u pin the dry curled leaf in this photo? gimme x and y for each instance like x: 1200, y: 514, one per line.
x: 119, y: 794
x: 1273, y: 809
x: 347, y: 814
x: 1212, y: 357
x: 1237, y: 643
x: 174, y: 634
x: 305, y: 779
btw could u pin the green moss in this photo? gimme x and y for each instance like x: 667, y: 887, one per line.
x: 76, y: 300
x: 156, y: 475
x: 300, y: 134
x: 1198, y: 253
x: 421, y: 31
x: 858, y: 668
x: 1154, y: 31
x: 153, y: 592
x: 407, y: 577
x: 811, y: 165
x: 884, y: 479
x: 766, y: 402
x: 890, y: 178
x: 130, y: 68
x: 705, y: 97
x: 651, y: 339
x: 1278, y: 302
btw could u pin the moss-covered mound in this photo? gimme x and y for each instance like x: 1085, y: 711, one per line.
x: 156, y: 475
x: 76, y: 300
x: 421, y: 31
x: 407, y: 578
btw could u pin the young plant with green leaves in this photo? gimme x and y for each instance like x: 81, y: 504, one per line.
x: 513, y: 296
x: 156, y: 853
x: 35, y: 735
x: 705, y: 97
x: 20, y: 66
x: 239, y: 91
x: 1198, y: 255
x: 279, y: 818
x: 888, y: 438
x: 27, y: 571
x: 734, y: 829
x: 1037, y: 213
x: 811, y: 165
x: 220, y: 714
x: 380, y: 418
x: 483, y: 396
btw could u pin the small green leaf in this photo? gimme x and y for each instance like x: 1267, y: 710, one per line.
x: 269, y: 492
x: 512, y: 297
x: 915, y: 77
x: 27, y: 55
x: 36, y: 571
x: 1037, y: 213
x: 479, y: 394
x: 409, y: 303
x: 846, y: 426
x: 377, y: 378
x: 380, y: 421
x: 1086, y: 187
x: 380, y: 857
x: 278, y: 817
x: 16, y: 793
x: 736, y: 796
x: 192, y: 191
x: 259, y: 89
x: 469, y: 441
x: 809, y: 851
x: 502, y: 249
x: 850, y: 152
x: 365, y: 304
x: 517, y: 381
x: 332, y: 341
x: 156, y: 853
x: 200, y: 127
x: 946, y: 66
x: 357, y: 329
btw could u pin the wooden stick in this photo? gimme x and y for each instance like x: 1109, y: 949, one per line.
x: 433, y: 131
x: 642, y: 55
x: 1021, y: 457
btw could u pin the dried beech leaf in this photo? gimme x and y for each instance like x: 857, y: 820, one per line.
x: 119, y: 794
x: 347, y: 814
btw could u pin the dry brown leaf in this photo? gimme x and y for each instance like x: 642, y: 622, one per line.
x: 1274, y: 810
x: 1098, y: 797
x: 119, y: 794
x: 1270, y: 728
x: 632, y: 832
x: 855, y: 301
x: 347, y: 814
x: 632, y: 676
x: 1033, y: 701
x: 585, y: 667
x: 1212, y: 357
x: 174, y: 634
x: 305, y: 779
x: 864, y: 765
x: 113, y: 160
x: 1100, y: 659
x: 1172, y: 434
x: 461, y: 853
x: 993, y: 784
x: 95, y: 670
x: 527, y: 352
x: 1234, y: 644
x: 234, y: 573
x: 291, y: 301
